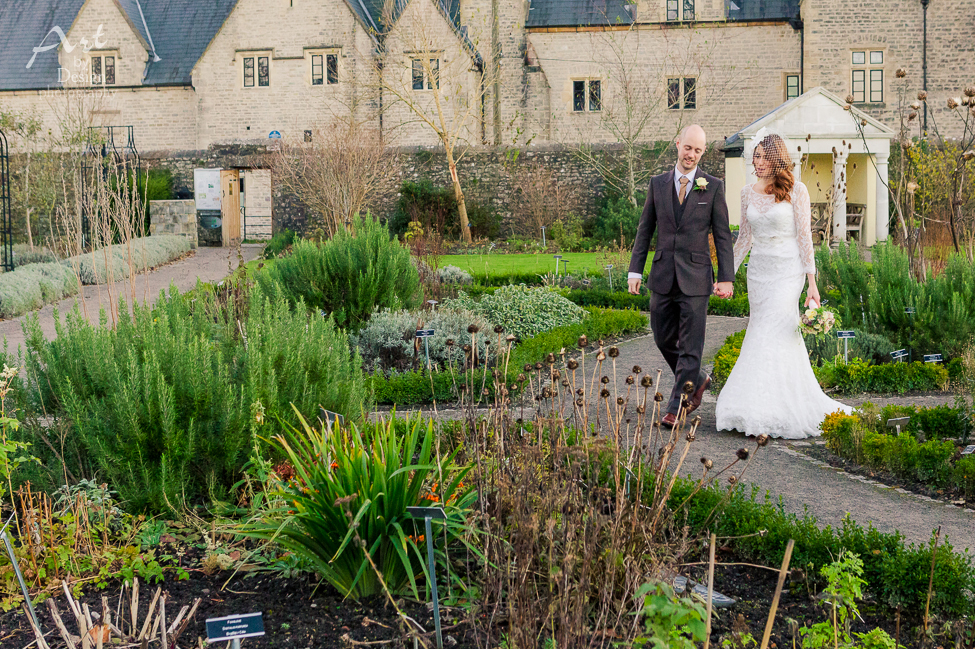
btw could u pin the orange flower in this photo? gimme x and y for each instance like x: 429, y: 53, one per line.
x: 334, y: 465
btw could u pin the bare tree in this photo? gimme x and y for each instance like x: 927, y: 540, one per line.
x: 25, y: 128
x: 430, y: 73
x: 336, y: 175
x: 540, y: 198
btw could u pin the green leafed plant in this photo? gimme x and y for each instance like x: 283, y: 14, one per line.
x: 669, y: 621
x: 345, y: 508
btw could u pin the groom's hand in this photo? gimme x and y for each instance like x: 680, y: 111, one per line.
x: 724, y: 289
x: 634, y: 285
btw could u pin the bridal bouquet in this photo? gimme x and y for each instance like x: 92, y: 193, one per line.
x: 817, y: 321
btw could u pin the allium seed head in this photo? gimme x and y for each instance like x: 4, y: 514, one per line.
x: 637, y: 370
x: 614, y: 352
x: 658, y: 397
x: 733, y: 479
x: 742, y: 454
x: 579, y: 402
x: 630, y: 380
x: 528, y: 367
x: 498, y: 329
x: 601, y: 356
x: 467, y: 347
x: 473, y: 329
x: 550, y: 358
x: 604, y: 380
x: 521, y: 377
x: 583, y: 341
x: 620, y: 401
x: 763, y: 440
x: 538, y: 366
x: 581, y: 392
x: 604, y: 393
x: 510, y: 338
x: 645, y: 381
x: 450, y: 343
x: 572, y: 364
x: 688, y: 387
x: 641, y: 409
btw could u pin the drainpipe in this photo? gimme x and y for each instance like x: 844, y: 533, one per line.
x: 924, y: 62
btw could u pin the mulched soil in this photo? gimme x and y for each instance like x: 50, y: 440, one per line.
x: 955, y: 497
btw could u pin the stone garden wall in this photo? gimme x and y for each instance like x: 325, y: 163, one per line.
x: 174, y: 218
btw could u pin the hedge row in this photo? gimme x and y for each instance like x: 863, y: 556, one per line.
x: 113, y: 263
x: 32, y: 286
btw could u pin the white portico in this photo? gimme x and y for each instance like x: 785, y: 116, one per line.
x: 842, y: 155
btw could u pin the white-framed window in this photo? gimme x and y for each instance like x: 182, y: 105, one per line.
x: 425, y: 73
x: 255, y: 69
x: 678, y: 10
x: 681, y: 93
x: 103, y: 68
x: 791, y: 86
x: 587, y: 95
x: 867, y: 76
x: 324, y: 67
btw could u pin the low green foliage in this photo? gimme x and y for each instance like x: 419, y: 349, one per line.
x: 349, y: 496
x: 24, y: 255
x: 349, y: 276
x: 32, y: 286
x: 859, y: 376
x: 607, y: 299
x: 618, y: 218
x: 522, y: 311
x: 119, y: 260
x: 873, y: 348
x: 669, y: 621
x: 160, y: 406
x: 408, y: 388
x: 736, y: 306
x: 434, y: 207
x: 725, y: 359
x: 279, y: 243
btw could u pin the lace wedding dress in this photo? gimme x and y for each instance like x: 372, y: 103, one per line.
x: 772, y: 388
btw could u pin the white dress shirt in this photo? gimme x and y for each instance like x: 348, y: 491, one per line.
x: 678, y: 174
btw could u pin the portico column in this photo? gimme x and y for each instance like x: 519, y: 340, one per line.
x: 883, y: 197
x: 840, y: 156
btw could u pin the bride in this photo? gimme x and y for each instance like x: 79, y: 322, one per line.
x: 772, y: 389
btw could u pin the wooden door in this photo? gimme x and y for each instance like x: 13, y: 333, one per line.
x: 230, y: 206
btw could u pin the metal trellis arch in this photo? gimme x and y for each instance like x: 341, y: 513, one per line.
x: 6, y: 217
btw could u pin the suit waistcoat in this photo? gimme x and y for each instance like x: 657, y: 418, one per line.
x: 678, y: 206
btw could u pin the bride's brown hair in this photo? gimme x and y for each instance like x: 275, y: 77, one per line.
x: 775, y: 151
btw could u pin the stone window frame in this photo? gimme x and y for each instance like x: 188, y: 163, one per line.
x: 787, y: 77
x: 419, y: 79
x: 593, y: 92
x: 678, y: 93
x: 679, y: 10
x: 867, y: 64
x: 250, y: 68
x: 103, y: 56
x: 329, y: 55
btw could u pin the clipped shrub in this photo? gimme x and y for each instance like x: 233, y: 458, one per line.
x: 612, y: 300
x: 736, y: 306
x: 31, y: 286
x: 349, y: 276
x: 451, y: 274
x: 163, y: 406
x: 388, y: 341
x: 859, y: 377
x: 838, y: 432
x: 375, y: 474
x: 522, y: 311
x: 279, y: 243
x: 414, y: 387
x: 964, y: 476
x: 24, y: 255
x: 725, y: 359
x: 113, y: 262
x: 874, y: 348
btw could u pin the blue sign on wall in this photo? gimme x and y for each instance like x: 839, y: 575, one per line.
x: 274, y: 135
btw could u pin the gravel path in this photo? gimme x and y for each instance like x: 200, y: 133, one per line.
x: 206, y: 264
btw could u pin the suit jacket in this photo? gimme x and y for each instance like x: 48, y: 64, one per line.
x: 682, y: 260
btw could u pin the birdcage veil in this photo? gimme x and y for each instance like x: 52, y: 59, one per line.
x: 777, y: 151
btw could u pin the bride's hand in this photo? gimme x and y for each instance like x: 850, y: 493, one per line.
x: 812, y: 295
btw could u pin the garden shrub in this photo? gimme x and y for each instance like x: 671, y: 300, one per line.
x: 31, y: 286
x: 451, y: 274
x: 388, y: 341
x: 858, y: 377
x: 162, y: 406
x: 736, y: 306
x: 725, y: 359
x: 964, y: 476
x: 602, y: 298
x: 114, y: 262
x: 434, y: 207
x: 931, y: 461
x: 617, y: 215
x: 522, y: 311
x: 349, y: 276
x: 874, y: 348
x: 373, y: 476
x: 413, y: 387
x: 485, y: 223
x: 838, y: 432
x: 24, y: 255
x: 279, y: 242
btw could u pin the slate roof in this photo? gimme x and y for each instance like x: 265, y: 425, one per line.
x: 181, y: 31
x: 131, y: 9
x: 571, y: 13
x: 371, y: 11
x: 761, y: 9
x: 24, y: 26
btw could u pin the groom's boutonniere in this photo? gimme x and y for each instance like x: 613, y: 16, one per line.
x: 701, y: 184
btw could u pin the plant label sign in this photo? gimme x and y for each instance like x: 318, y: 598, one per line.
x: 846, y: 334
x: 898, y: 354
x: 908, y: 310
x: 933, y: 358
x: 970, y: 449
x: 422, y: 334
x: 238, y: 626
x: 329, y: 418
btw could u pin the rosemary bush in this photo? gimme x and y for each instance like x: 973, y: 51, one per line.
x: 160, y: 407
x: 349, y: 276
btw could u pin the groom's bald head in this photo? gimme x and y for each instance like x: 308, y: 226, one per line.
x: 690, y: 147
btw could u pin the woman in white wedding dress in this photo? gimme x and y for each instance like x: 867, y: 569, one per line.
x: 772, y: 389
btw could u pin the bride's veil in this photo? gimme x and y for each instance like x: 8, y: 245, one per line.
x: 778, y: 152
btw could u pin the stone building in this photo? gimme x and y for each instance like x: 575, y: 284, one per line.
x: 194, y: 78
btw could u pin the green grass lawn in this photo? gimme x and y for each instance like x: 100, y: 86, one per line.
x: 504, y: 264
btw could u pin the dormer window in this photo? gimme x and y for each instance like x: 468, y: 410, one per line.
x: 103, y: 69
x: 680, y: 10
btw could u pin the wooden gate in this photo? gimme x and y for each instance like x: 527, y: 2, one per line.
x: 230, y: 206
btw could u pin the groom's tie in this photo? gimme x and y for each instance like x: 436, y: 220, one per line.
x: 683, y: 189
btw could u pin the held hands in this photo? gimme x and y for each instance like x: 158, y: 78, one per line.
x: 634, y: 285
x: 724, y: 290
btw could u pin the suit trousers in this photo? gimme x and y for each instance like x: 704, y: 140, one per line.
x: 679, y: 322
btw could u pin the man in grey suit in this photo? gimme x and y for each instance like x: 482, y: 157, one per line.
x: 683, y: 206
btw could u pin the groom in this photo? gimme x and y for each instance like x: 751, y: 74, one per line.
x: 683, y: 206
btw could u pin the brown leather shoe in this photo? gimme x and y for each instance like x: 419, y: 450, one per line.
x: 669, y: 421
x: 695, y: 401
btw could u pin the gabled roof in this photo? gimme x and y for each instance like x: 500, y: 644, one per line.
x: 761, y: 9
x: 25, y: 26
x: 574, y: 13
x: 373, y: 13
x: 815, y: 114
x: 179, y: 30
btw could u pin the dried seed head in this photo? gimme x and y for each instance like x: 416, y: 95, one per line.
x: 485, y: 392
x: 953, y: 102
x: 581, y: 392
x: 467, y: 347
x: 620, y: 401
x: 969, y: 154
x: 556, y: 374
x: 637, y: 370
x: 630, y: 380
x: 850, y: 99
x: 901, y: 73
x: 510, y: 338
x: 970, y: 91
x: 847, y: 107
x: 498, y: 329
x: 546, y: 392
x: 463, y: 388
x: 688, y: 387
x: 528, y: 367
x: 583, y: 341
x: 601, y: 356
x: 604, y: 393
x: 614, y: 352
x: 915, y: 105
x: 733, y: 479
x: 565, y: 383
x: 538, y: 366
x: 550, y: 358
x: 912, y: 116
x: 604, y: 380
x: 696, y: 421
x: 641, y: 409
x: 691, y: 435
x: 579, y: 402
x: 572, y: 364
x: 763, y: 440
x: 922, y: 95
x: 521, y: 377
x: 473, y: 329
x: 658, y: 397
x: 514, y: 387
x: 646, y: 382
x: 504, y: 392
x: 742, y: 454
x: 450, y: 343
x: 601, y: 342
